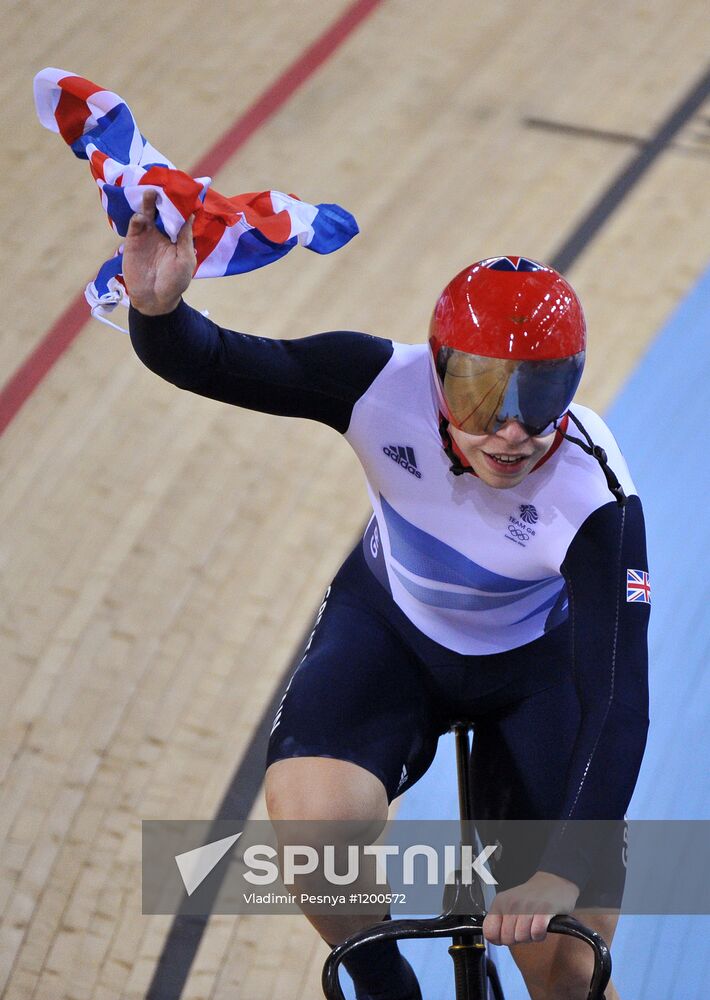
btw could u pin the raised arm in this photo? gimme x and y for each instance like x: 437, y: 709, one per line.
x: 319, y: 377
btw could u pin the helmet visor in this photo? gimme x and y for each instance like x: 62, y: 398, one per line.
x: 482, y: 394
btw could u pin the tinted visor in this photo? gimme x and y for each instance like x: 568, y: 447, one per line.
x: 482, y: 394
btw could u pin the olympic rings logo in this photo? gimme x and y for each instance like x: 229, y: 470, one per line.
x: 518, y: 533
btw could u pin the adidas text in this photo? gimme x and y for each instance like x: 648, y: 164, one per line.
x: 404, y: 456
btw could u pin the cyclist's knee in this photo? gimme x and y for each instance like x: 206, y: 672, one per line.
x: 556, y: 968
x: 567, y: 965
x: 325, y: 789
x: 568, y: 980
x: 563, y: 991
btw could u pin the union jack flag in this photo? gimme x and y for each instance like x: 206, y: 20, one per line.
x: 638, y: 586
x: 231, y: 235
x: 512, y: 264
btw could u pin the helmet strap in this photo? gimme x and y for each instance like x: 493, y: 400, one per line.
x: 457, y: 466
x: 596, y: 451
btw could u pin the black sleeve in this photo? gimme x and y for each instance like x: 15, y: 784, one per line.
x: 610, y: 661
x: 319, y: 377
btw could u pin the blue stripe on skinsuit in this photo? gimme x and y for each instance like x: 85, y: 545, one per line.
x: 429, y: 557
x: 458, y: 601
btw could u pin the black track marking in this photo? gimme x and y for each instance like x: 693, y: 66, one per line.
x: 630, y: 175
x: 585, y: 132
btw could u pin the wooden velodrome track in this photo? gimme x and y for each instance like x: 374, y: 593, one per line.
x: 162, y: 554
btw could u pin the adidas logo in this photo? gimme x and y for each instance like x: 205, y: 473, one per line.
x: 403, y: 455
x: 402, y: 778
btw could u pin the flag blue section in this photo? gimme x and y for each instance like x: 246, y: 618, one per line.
x: 113, y: 134
x: 117, y: 207
x: 329, y: 225
x: 111, y: 269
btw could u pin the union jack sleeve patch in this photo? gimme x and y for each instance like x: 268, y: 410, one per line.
x: 638, y: 587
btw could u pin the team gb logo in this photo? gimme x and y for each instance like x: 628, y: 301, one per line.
x: 528, y: 513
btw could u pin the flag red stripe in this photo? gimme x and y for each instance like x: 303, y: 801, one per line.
x: 72, y: 112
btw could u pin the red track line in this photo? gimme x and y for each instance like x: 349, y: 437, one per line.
x: 69, y: 325
x: 280, y: 91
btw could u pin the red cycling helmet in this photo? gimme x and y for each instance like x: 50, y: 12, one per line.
x: 507, y: 339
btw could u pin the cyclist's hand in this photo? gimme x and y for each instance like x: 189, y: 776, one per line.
x: 522, y: 913
x: 155, y: 270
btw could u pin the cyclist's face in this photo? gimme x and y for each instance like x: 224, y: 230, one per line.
x: 505, y: 458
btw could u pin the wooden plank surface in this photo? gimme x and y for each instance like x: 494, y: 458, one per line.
x: 162, y: 554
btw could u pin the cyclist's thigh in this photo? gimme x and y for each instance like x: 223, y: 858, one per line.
x: 521, y: 753
x: 358, y: 696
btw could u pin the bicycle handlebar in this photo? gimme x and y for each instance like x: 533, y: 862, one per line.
x: 450, y: 924
x: 602, y: 957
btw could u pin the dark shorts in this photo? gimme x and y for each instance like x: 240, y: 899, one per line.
x: 373, y: 690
